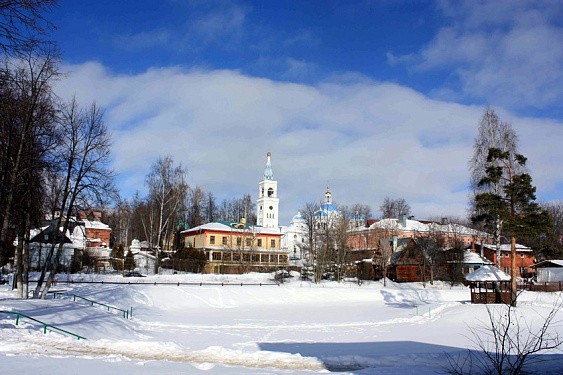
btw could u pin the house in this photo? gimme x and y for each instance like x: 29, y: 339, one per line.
x: 97, y: 233
x: 450, y: 234
x: 549, y: 271
x: 406, y: 264
x: 237, y: 247
x: 84, y: 237
x: 525, y: 258
x: 42, y: 239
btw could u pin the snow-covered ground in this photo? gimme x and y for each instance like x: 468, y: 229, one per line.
x: 295, y: 328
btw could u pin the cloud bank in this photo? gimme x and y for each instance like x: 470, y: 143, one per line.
x: 365, y: 139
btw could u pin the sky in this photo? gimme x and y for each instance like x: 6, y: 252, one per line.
x: 371, y: 98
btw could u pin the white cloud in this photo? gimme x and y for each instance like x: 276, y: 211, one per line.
x: 504, y: 52
x: 365, y: 139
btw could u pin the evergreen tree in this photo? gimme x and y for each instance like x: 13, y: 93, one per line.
x: 514, y: 204
x: 129, y: 263
x: 117, y: 255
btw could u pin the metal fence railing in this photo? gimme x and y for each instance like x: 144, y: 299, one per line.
x: 45, y: 325
x: 68, y: 282
x: 126, y: 313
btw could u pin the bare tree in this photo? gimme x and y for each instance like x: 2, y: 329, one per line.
x: 210, y: 210
x: 27, y: 136
x: 310, y: 246
x: 508, y: 342
x: 382, y: 258
x: 84, y: 166
x: 551, y: 245
x: 195, y: 206
x: 394, y: 208
x: 23, y: 26
x: 167, y: 191
x: 431, y: 253
x: 359, y: 214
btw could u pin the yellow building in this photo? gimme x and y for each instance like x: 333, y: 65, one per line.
x: 237, y: 247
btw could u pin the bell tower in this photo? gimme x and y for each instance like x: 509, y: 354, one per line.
x: 267, y: 205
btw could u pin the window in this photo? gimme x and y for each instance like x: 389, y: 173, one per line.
x: 507, y: 270
x: 224, y: 240
x: 239, y: 241
x: 272, y: 243
x: 212, y: 240
x: 270, y: 192
x: 248, y: 242
x: 259, y: 244
x: 522, y: 255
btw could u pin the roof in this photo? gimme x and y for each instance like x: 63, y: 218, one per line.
x: 470, y: 257
x: 426, y: 226
x: 225, y: 226
x: 487, y: 273
x: 555, y: 263
x: 94, y: 224
x: 507, y: 247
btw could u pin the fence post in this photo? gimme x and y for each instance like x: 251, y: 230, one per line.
x: 17, y: 318
x: 44, y: 328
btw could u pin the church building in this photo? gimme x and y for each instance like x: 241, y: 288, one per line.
x: 242, y: 247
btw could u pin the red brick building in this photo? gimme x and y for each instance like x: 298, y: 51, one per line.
x: 525, y: 258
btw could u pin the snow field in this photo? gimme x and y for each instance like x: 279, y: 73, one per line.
x: 297, y: 327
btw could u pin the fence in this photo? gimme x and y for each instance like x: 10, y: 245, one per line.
x: 68, y: 282
x: 542, y: 287
x: 126, y: 313
x: 45, y: 325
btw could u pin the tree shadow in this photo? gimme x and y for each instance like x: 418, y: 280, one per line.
x: 392, y: 357
x: 392, y: 299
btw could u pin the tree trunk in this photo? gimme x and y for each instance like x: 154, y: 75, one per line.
x: 514, y: 290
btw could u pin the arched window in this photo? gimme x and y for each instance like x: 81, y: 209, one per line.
x: 270, y: 192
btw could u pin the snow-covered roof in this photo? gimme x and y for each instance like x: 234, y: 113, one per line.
x: 418, y: 226
x: 94, y: 224
x: 218, y: 226
x: 487, y: 273
x: 507, y: 247
x: 470, y: 257
x: 547, y: 263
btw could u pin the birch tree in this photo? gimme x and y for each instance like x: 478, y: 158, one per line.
x: 167, y: 190
x: 84, y: 167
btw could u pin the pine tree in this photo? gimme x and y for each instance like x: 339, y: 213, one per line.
x: 514, y: 204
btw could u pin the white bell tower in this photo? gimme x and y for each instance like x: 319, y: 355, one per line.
x: 267, y: 205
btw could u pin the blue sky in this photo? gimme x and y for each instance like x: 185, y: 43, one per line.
x: 374, y: 98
